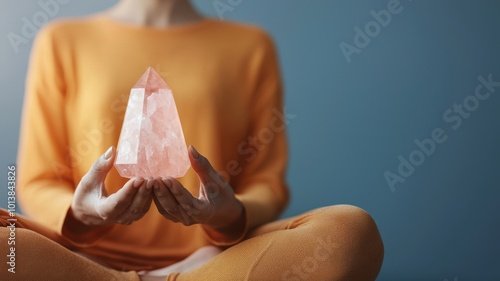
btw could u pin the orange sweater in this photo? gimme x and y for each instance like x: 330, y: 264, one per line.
x: 226, y: 84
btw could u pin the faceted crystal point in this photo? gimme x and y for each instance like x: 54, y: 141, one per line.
x: 151, y: 142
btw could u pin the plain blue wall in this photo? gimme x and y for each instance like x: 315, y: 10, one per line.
x: 355, y: 119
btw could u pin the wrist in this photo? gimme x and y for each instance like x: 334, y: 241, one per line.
x: 233, y: 218
x: 233, y: 231
x: 75, y: 222
x: 238, y: 214
x: 80, y: 233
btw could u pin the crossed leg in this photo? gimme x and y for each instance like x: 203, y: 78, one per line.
x: 332, y: 243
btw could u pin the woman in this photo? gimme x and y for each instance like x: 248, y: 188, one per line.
x: 227, y: 88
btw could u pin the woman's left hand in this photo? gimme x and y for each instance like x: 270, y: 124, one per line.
x: 216, y: 205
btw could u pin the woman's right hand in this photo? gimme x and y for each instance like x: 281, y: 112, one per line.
x: 92, y: 206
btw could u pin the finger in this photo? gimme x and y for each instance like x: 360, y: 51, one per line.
x: 143, y: 213
x: 162, y: 211
x: 183, y: 197
x: 140, y: 199
x: 174, y: 209
x: 209, y: 177
x: 117, y: 202
x: 129, y: 221
x: 165, y: 202
x: 146, y: 208
x: 164, y: 196
x: 100, y: 168
x: 150, y: 183
x: 186, y: 219
x: 165, y: 214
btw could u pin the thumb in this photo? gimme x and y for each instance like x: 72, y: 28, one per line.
x: 101, y: 167
x: 93, y: 181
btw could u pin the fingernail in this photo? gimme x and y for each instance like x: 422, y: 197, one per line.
x: 196, y: 155
x: 138, y: 182
x: 150, y: 184
x: 108, y: 153
x: 155, y: 186
x: 167, y: 182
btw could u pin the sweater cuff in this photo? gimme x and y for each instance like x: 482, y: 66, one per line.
x: 233, y: 235
x: 71, y: 229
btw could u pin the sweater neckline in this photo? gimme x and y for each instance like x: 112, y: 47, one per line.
x: 180, y: 28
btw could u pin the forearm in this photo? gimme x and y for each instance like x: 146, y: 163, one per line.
x: 47, y: 202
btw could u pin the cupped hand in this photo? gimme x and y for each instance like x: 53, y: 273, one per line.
x: 216, y: 205
x: 92, y: 205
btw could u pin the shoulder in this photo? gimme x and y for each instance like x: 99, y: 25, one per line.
x: 245, y: 36
x: 241, y: 31
x: 239, y: 28
x: 68, y: 28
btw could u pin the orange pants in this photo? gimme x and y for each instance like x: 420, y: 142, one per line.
x: 333, y: 243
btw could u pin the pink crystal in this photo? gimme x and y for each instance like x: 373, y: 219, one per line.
x: 151, y: 141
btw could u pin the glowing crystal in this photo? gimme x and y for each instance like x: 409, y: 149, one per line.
x: 151, y: 141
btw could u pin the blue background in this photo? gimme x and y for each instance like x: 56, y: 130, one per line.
x: 355, y: 119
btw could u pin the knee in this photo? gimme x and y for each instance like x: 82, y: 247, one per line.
x: 360, y: 246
